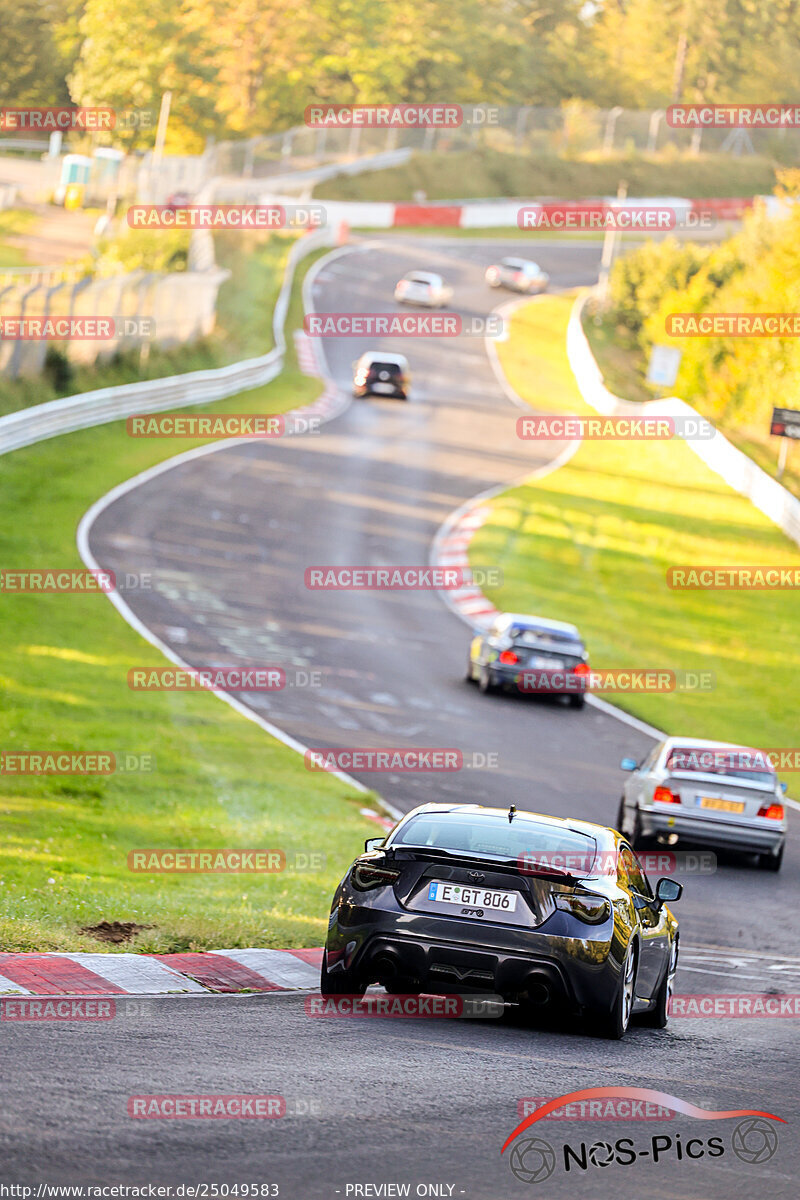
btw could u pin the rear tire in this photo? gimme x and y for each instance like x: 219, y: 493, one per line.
x: 637, y: 839
x: 343, y: 983
x: 620, y: 815
x: 485, y: 681
x: 771, y: 862
x: 577, y: 701
x: 470, y: 678
x: 614, y: 1023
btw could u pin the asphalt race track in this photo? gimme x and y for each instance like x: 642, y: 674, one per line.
x: 227, y: 537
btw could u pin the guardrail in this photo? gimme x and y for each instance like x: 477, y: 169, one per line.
x: 739, y: 471
x: 155, y: 395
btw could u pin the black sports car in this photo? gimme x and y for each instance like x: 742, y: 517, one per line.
x: 544, y: 911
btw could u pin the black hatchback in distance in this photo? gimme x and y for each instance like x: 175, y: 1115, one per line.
x: 379, y: 373
x: 543, y: 911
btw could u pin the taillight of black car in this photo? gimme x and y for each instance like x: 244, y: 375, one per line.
x: 368, y: 875
x: 586, y: 906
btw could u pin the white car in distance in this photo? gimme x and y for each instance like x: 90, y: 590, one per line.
x: 423, y: 288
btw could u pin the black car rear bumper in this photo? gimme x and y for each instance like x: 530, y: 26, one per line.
x: 440, y: 956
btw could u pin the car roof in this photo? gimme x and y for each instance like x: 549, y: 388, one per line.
x: 706, y: 744
x: 518, y: 262
x: 427, y: 276
x: 387, y: 356
x: 601, y: 833
x: 543, y: 623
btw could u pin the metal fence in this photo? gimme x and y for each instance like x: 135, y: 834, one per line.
x: 573, y: 128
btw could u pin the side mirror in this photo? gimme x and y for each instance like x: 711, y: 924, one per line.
x: 668, y: 891
x: 784, y: 787
x: 628, y: 764
x: 374, y: 844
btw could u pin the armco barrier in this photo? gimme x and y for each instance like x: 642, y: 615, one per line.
x: 176, y: 391
x: 483, y: 214
x: 731, y: 209
x: 739, y: 471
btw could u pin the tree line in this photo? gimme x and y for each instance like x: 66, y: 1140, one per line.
x: 239, y: 68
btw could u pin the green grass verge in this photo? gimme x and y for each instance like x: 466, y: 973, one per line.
x: 485, y: 174
x: 591, y: 543
x: 219, y: 779
x: 13, y: 221
x: 624, y: 367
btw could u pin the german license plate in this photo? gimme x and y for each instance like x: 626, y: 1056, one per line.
x: 544, y: 663
x: 385, y: 389
x: 720, y: 805
x: 472, y: 897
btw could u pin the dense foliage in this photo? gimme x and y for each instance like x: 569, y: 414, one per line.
x: 737, y: 379
x: 243, y: 67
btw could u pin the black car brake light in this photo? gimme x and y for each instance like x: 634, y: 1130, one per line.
x: 367, y: 875
x: 585, y: 906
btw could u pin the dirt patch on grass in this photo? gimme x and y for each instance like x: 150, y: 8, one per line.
x: 115, y: 932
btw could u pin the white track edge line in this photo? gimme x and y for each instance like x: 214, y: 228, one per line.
x: 127, y: 614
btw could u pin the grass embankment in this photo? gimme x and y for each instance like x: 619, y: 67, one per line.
x: 591, y: 543
x: 624, y: 367
x: 219, y: 780
x: 13, y: 221
x: 243, y: 329
x: 484, y: 174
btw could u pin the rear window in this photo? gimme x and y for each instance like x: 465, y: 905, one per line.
x: 393, y: 368
x: 532, y: 637
x: 523, y: 841
x: 750, y: 765
x: 419, y: 279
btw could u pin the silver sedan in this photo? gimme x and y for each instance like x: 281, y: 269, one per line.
x: 709, y: 793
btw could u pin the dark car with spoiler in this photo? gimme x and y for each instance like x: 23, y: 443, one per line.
x: 532, y: 655
x: 547, y: 912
